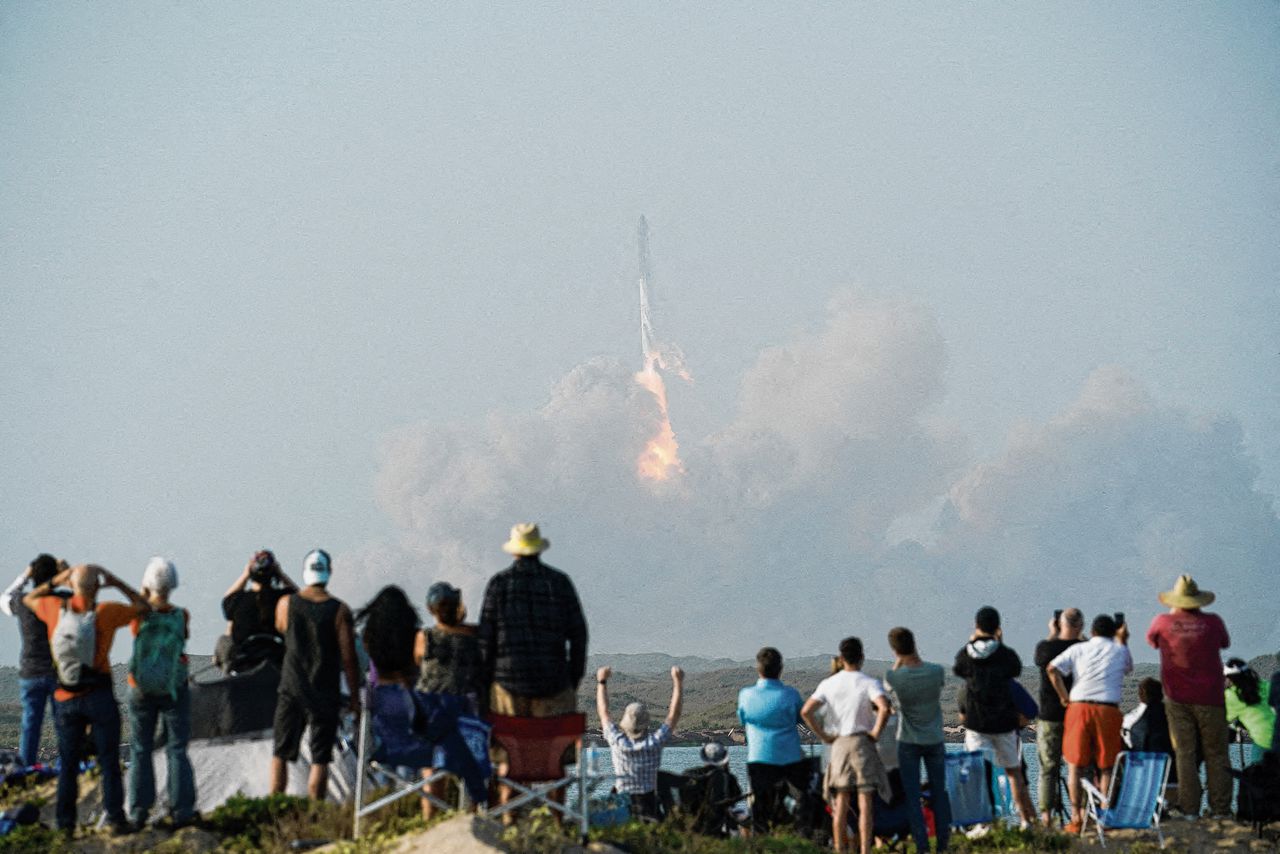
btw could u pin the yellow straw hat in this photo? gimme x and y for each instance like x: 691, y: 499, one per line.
x: 525, y: 540
x: 1186, y: 594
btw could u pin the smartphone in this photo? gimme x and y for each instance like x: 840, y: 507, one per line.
x: 1118, y: 616
x: 1057, y: 616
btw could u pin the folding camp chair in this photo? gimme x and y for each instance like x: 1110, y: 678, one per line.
x: 380, y: 765
x: 534, y: 747
x: 967, y: 789
x: 1002, y: 800
x: 1136, y: 795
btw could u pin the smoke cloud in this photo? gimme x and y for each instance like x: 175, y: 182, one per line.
x: 786, y: 526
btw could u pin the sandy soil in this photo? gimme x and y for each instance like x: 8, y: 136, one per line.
x: 1205, y: 835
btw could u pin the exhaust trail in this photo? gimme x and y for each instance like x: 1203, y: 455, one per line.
x: 660, y: 459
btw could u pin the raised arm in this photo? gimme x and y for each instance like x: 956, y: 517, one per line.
x: 136, y: 599
x: 45, y: 589
x: 10, y: 594
x: 347, y: 648
x: 285, y: 581
x: 677, y: 698
x: 241, y: 582
x: 602, y: 695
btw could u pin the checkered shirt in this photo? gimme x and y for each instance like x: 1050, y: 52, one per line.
x: 636, y: 763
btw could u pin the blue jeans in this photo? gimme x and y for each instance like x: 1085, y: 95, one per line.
x: 35, y: 694
x: 144, y: 713
x: 934, y: 758
x: 90, y: 715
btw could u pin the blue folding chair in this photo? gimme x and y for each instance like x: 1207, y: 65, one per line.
x: 1136, y: 795
x: 968, y: 790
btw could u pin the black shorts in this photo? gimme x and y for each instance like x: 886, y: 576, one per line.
x: 292, y: 715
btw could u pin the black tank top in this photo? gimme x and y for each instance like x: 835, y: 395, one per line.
x: 312, y: 662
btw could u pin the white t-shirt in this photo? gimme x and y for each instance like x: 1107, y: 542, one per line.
x: 1099, y: 666
x: 848, y: 702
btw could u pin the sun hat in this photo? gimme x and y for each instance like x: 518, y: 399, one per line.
x: 714, y: 753
x: 442, y: 591
x: 525, y: 540
x: 160, y: 575
x: 1186, y: 594
x: 635, y: 720
x: 316, y: 568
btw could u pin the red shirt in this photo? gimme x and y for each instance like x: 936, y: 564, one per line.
x: 1190, y: 665
x: 110, y: 617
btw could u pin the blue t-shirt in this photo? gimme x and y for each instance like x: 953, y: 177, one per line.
x: 770, y: 711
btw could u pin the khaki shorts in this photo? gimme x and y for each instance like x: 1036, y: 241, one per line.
x: 855, y: 765
x: 503, y: 702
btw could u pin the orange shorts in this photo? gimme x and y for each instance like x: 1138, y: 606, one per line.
x: 1091, y: 735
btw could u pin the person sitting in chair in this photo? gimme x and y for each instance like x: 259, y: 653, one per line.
x: 711, y: 795
x: 637, y: 753
x: 409, y: 724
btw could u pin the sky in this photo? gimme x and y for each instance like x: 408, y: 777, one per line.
x: 980, y: 304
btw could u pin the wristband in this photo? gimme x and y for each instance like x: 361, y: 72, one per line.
x: 602, y: 681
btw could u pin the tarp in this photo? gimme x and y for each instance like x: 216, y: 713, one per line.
x: 241, y: 704
x: 231, y: 743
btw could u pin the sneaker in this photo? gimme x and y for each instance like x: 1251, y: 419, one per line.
x: 1177, y: 813
x: 1071, y: 828
x: 978, y: 831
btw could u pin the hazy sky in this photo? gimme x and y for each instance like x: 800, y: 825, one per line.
x: 252, y: 255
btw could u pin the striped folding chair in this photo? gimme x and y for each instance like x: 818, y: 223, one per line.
x: 1136, y: 795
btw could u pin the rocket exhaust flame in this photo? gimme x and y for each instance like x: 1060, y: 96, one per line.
x: 661, y: 456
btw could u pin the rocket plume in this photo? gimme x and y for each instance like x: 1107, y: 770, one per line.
x: 661, y: 456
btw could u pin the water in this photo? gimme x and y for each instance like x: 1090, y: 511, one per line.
x: 679, y: 759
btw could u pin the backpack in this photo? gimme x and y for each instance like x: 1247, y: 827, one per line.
x: 1258, y: 801
x: 72, y: 647
x: 156, y: 665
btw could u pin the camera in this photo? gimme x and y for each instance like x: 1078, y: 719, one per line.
x: 1118, y: 616
x: 264, y: 566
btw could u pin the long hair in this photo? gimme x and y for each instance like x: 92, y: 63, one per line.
x: 389, y: 626
x: 1245, y: 682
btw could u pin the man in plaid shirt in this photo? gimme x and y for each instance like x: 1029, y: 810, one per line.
x: 533, y: 637
x: 637, y: 753
x: 533, y: 640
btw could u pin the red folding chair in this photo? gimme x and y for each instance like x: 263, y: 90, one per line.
x: 534, y: 748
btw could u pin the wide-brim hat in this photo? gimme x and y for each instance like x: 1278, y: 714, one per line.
x: 635, y: 720
x: 1186, y: 594
x: 714, y: 753
x: 526, y: 540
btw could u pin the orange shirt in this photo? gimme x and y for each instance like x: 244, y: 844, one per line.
x: 136, y: 624
x: 110, y: 617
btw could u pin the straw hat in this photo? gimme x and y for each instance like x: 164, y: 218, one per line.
x: 525, y: 540
x: 1186, y: 594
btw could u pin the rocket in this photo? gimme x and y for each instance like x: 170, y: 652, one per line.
x: 647, y: 337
